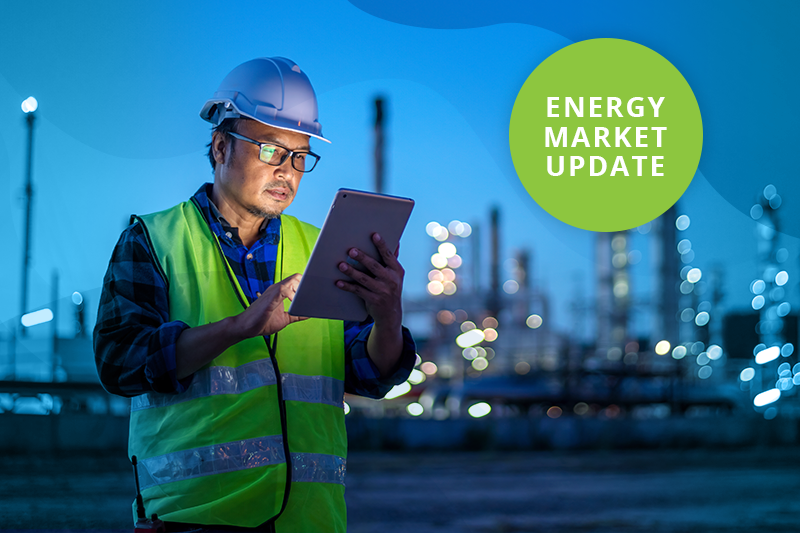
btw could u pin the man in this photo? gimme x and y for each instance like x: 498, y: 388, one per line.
x: 237, y: 412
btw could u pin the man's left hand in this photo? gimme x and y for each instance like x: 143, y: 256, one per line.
x: 381, y: 292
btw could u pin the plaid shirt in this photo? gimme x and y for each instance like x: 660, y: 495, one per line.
x: 134, y: 340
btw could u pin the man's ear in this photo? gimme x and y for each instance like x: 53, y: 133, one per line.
x: 219, y: 147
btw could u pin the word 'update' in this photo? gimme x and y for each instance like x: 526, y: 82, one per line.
x: 602, y: 137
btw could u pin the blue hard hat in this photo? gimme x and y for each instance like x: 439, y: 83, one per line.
x: 272, y: 90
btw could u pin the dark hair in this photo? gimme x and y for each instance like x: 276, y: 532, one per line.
x: 227, y: 125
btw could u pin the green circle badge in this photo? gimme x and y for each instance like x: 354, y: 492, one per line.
x: 606, y: 135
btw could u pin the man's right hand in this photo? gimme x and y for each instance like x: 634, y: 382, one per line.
x: 267, y: 315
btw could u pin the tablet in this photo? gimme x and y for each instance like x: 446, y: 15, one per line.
x: 352, y: 219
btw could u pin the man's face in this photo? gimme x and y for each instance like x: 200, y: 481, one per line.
x: 264, y: 190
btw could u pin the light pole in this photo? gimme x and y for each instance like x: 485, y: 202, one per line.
x: 29, y: 106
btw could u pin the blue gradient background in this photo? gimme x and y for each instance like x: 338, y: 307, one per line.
x: 120, y: 86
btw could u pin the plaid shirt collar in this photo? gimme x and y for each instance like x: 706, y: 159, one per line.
x: 270, y: 229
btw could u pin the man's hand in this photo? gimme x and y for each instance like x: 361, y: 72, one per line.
x: 266, y: 315
x: 382, y: 292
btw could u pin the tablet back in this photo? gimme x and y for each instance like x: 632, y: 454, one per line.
x: 352, y: 219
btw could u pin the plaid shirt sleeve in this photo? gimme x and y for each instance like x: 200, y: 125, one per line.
x: 134, y: 341
x: 361, y: 376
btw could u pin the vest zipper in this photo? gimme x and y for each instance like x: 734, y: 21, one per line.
x: 272, y: 349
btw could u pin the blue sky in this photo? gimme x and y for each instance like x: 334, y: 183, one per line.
x: 120, y: 86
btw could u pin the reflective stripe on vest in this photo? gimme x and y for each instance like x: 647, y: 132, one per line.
x: 239, y: 455
x: 226, y: 380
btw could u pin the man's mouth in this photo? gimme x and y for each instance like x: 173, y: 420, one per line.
x: 279, y: 193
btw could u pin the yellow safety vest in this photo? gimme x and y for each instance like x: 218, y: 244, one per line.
x: 253, y: 437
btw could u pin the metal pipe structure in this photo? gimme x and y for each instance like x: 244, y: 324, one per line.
x: 379, y: 148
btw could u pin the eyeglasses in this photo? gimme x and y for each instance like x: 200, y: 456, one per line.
x: 272, y: 154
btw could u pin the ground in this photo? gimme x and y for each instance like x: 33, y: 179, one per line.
x: 706, y: 491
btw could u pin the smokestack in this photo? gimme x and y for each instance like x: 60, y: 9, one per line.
x: 379, y: 145
x: 494, y: 294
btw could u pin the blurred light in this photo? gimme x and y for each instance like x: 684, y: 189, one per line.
x: 446, y: 370
x: 435, y: 288
x: 418, y: 360
x: 679, y: 352
x: 448, y: 274
x: 796, y: 368
x: 632, y: 346
x: 466, y: 231
x: 701, y: 319
x: 621, y: 289
x: 760, y: 346
x: 77, y: 298
x: 682, y: 222
x: 614, y: 354
x: 533, y: 321
x: 782, y: 255
x: 435, y: 275
x: 449, y: 288
x: 684, y: 246
x: 489, y: 352
x: 758, y: 302
x: 781, y: 278
x: 694, y: 275
x: 775, y: 201
x: 554, y: 412
x: 756, y: 212
x: 662, y: 348
x: 767, y: 355
x: 447, y: 249
x: 490, y: 334
x: 398, y: 390
x: 770, y: 413
x: 581, y: 408
x: 429, y: 367
x: 784, y: 384
x: 441, y: 234
x: 619, y: 260
x: 469, y: 353
x: 454, y: 262
x: 685, y: 271
x: 767, y: 397
x: 618, y: 243
x: 470, y: 338
x: 784, y: 309
x: 416, y: 377
x: 634, y: 256
x: 346, y: 408
x: 489, y: 322
x: 697, y: 347
x: 29, y: 105
x: 481, y: 351
x: 522, y: 368
x: 461, y: 315
x: 630, y: 358
x: 438, y: 260
x: 787, y: 349
x: 455, y: 227
x: 702, y: 359
x: 757, y: 286
x: 687, y: 257
x: 687, y: 315
x: 511, y: 265
x: 704, y: 372
x: 714, y: 352
x: 511, y: 286
x: 37, y: 317
x: 686, y: 287
x: 747, y: 374
x: 777, y: 294
x: 432, y: 228
x: 479, y: 409
x: 446, y: 317
x: 770, y: 191
x: 480, y: 364
x: 415, y: 409
x: 796, y: 379
x: 468, y: 325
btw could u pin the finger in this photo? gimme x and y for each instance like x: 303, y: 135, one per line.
x: 355, y: 288
x: 377, y: 269
x: 389, y: 258
x: 397, y: 251
x: 358, y: 276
